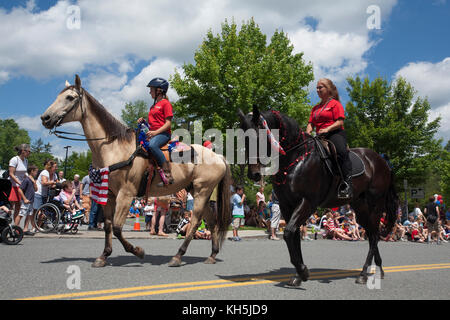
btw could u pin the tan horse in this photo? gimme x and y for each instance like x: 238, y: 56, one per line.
x: 112, y: 142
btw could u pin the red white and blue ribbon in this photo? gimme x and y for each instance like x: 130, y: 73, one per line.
x: 274, y: 142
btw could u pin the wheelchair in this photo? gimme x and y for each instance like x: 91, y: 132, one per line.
x: 52, y: 216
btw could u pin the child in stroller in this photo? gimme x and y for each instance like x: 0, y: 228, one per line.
x: 10, y: 234
x: 73, y: 213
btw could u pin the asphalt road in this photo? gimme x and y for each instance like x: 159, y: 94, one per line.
x: 253, y: 269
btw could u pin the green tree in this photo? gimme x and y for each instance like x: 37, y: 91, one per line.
x: 77, y: 163
x: 237, y: 70
x: 134, y: 111
x: 10, y: 136
x: 383, y: 117
x: 39, y: 153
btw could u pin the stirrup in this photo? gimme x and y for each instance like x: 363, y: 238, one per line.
x: 344, y: 190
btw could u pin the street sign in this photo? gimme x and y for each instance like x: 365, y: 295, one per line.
x: 417, y: 193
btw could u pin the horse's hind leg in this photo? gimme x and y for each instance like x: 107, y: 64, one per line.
x: 292, y: 238
x: 196, y: 220
x: 108, y: 215
x: 211, y: 221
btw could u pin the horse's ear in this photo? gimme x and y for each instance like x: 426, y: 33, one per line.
x: 241, y: 116
x: 77, y: 82
x: 256, y: 115
x: 67, y: 84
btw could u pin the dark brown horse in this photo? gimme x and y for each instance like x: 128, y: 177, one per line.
x: 303, y: 183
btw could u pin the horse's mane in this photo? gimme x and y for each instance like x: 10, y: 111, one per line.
x: 114, y: 129
x: 289, y: 128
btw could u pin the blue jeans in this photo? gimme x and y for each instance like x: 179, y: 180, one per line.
x: 93, y: 214
x: 156, y: 143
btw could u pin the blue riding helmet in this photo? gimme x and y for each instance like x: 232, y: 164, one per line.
x: 159, y: 83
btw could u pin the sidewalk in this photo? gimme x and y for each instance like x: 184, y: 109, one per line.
x: 129, y: 233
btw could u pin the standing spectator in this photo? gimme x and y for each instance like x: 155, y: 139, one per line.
x: 17, y: 170
x: 162, y: 207
x: 275, y: 219
x: 76, y: 185
x: 46, y: 179
x: 237, y: 201
x: 432, y: 212
x: 189, y: 202
x: 260, y: 196
x: 149, y: 209
x: 94, y: 216
x: 27, y: 189
x: 86, y: 197
x: 61, y: 178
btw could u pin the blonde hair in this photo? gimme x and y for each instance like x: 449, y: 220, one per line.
x: 331, y: 88
x: 49, y: 165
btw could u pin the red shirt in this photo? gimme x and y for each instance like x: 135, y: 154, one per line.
x: 323, y: 116
x: 159, y: 113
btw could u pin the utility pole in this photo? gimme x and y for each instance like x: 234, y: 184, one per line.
x: 65, y: 161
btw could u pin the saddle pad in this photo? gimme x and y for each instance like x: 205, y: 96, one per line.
x: 358, y: 167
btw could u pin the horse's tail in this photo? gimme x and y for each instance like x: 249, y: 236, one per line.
x: 223, y: 204
x: 391, y: 205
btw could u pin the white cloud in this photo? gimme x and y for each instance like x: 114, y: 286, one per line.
x: 432, y: 80
x: 39, y: 44
x: 334, y: 55
x: 29, y: 123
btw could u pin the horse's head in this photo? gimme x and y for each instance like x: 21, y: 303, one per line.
x: 251, y: 121
x: 65, y: 107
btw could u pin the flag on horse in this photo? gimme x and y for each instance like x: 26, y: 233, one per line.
x: 99, y: 184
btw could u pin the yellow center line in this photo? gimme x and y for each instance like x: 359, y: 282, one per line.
x: 224, y: 283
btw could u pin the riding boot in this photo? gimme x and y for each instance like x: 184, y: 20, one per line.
x: 166, y: 176
x: 346, y: 188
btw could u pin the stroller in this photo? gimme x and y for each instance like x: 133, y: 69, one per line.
x: 10, y: 234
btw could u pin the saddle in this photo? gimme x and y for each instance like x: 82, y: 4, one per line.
x: 328, y: 154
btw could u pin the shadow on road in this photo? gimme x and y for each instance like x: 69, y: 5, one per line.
x: 132, y: 261
x: 282, y: 276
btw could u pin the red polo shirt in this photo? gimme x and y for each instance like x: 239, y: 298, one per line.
x: 159, y: 113
x: 323, y: 116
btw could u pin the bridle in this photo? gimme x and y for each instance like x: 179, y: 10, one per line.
x: 295, y: 145
x: 78, y: 103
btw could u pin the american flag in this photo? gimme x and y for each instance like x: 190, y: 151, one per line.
x: 99, y: 184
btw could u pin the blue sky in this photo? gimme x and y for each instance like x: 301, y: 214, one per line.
x: 120, y: 45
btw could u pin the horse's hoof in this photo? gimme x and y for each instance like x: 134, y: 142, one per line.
x: 305, y: 274
x: 99, y: 263
x: 210, y: 261
x: 139, y: 252
x: 361, y: 280
x: 175, y: 262
x: 382, y: 275
x: 294, y: 282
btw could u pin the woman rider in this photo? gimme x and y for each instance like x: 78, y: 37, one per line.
x: 159, y: 120
x: 328, y: 119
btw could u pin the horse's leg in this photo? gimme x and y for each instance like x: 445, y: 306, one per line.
x: 196, y: 220
x: 371, y: 224
x: 108, y: 216
x: 122, y: 206
x: 211, y: 221
x: 292, y: 238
